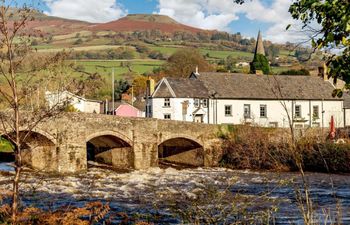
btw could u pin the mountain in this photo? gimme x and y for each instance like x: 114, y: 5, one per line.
x: 142, y: 22
x: 54, y: 25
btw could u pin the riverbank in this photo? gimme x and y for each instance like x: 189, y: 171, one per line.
x: 256, y: 148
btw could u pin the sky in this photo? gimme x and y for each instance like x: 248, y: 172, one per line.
x: 269, y: 16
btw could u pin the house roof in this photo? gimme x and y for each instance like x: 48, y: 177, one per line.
x: 72, y: 95
x: 180, y: 88
x: 252, y: 86
x: 246, y: 86
x: 346, y: 97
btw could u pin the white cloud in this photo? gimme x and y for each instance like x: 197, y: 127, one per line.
x: 86, y: 10
x: 198, y: 13
x: 219, y: 14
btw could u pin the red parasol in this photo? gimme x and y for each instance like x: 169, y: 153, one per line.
x: 332, y: 128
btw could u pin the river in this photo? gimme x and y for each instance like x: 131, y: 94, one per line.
x: 148, y: 193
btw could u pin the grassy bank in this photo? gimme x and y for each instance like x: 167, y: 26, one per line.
x: 255, y: 148
x: 5, y: 146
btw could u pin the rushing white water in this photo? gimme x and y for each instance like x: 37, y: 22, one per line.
x: 140, y: 191
x: 6, y: 167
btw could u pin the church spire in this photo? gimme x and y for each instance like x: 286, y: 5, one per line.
x: 259, y: 49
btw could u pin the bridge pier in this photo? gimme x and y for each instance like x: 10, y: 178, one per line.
x: 145, y: 155
x: 72, y: 158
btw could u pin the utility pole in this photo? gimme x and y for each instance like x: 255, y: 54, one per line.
x: 132, y: 94
x: 113, y: 91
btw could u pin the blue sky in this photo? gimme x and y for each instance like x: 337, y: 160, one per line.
x: 270, y: 16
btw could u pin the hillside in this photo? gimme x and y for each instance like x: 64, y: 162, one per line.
x: 142, y: 22
x: 54, y: 25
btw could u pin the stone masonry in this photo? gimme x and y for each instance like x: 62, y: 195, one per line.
x: 60, y: 144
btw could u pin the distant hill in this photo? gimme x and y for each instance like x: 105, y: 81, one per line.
x: 54, y: 25
x: 142, y: 22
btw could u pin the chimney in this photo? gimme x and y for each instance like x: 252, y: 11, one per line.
x: 150, y: 86
x: 322, y: 72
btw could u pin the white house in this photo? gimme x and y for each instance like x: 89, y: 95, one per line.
x: 269, y: 101
x: 67, y: 98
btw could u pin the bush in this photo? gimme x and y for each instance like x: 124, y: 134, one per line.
x: 78, y: 41
x: 296, y: 72
x: 253, y: 148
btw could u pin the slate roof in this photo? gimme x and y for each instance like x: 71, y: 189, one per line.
x: 252, y: 86
x: 247, y: 86
x: 346, y: 97
x: 182, y: 88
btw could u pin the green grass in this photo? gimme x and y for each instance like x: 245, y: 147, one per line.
x: 225, y: 54
x: 212, y: 53
x: 165, y: 50
x: 5, y: 146
x: 278, y: 70
x: 105, y: 67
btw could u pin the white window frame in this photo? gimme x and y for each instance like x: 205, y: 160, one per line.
x: 167, y: 116
x: 167, y: 103
x: 196, y: 102
x: 297, y: 113
x: 246, y: 115
x: 263, y: 111
x: 228, y: 108
x: 205, y: 103
x: 317, y: 115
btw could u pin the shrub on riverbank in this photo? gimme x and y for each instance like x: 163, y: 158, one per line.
x: 257, y: 148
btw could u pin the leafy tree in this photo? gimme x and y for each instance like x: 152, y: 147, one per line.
x: 121, y: 87
x: 78, y: 41
x: 230, y: 63
x: 272, y: 51
x: 334, y: 18
x: 302, y: 54
x: 260, y: 62
x: 183, y: 62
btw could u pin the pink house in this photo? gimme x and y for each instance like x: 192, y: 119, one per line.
x: 127, y: 110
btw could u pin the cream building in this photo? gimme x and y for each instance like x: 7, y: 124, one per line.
x: 55, y: 99
x: 268, y: 101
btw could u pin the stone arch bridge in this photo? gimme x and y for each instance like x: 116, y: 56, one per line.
x: 65, y: 143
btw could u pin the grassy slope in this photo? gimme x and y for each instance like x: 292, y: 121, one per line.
x: 104, y: 67
x: 5, y: 146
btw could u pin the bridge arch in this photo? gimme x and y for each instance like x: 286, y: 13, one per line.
x: 38, y: 149
x: 181, y: 150
x: 109, y: 148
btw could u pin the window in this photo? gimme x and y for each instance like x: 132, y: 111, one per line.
x: 315, y: 112
x: 167, y: 102
x: 297, y: 112
x: 246, y: 111
x: 228, y: 110
x: 167, y: 116
x: 205, y: 103
x: 263, y: 111
x: 196, y: 103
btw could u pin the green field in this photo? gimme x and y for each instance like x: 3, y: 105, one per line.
x: 212, y: 53
x: 105, y: 67
x: 225, y: 54
x: 5, y: 146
